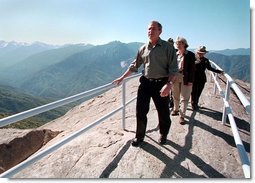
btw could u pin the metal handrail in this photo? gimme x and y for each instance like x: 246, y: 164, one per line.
x: 12, y: 119
x: 245, y: 102
x: 44, y: 108
x: 227, y: 111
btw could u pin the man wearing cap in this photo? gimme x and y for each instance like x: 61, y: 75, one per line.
x: 182, y: 85
x: 160, y: 66
x: 201, y: 64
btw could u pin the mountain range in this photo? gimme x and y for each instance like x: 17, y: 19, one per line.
x: 230, y: 52
x: 52, y: 72
x: 15, y: 52
x: 237, y: 66
x: 68, y: 70
x: 14, y: 100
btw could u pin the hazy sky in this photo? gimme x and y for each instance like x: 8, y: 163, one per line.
x: 218, y: 24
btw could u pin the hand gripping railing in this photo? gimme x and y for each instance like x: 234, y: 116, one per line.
x: 227, y: 111
x: 23, y: 115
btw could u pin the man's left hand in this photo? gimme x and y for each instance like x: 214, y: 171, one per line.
x: 164, y: 92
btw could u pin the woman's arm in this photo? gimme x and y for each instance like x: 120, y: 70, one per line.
x: 209, y: 67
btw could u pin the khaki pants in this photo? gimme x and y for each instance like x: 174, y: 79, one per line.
x: 181, y: 95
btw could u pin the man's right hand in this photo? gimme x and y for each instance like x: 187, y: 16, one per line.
x: 117, y: 81
x: 120, y: 79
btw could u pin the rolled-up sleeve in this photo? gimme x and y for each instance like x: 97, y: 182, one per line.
x: 134, y: 66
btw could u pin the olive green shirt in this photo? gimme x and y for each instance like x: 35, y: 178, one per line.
x: 159, y: 61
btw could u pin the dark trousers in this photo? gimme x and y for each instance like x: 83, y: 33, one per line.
x: 147, y: 90
x: 197, y: 89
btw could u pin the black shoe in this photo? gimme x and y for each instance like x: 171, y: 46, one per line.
x: 195, y: 107
x: 162, y: 139
x: 137, y: 142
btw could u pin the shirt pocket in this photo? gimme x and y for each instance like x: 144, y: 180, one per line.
x: 146, y: 56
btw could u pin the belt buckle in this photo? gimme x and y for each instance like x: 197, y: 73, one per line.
x: 154, y: 80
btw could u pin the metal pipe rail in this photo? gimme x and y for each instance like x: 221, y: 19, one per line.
x: 12, y: 119
x: 44, y: 108
x: 237, y: 90
x: 239, y: 93
x: 39, y: 155
x: 227, y: 111
x: 241, y: 150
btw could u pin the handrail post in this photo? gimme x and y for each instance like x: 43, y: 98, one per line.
x: 224, y: 116
x: 215, y: 87
x: 211, y: 77
x: 123, y: 104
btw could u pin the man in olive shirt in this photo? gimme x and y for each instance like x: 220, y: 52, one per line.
x: 160, y: 66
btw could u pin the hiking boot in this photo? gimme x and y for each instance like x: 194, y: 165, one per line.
x: 175, y: 113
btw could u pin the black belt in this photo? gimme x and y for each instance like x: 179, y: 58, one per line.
x: 156, y: 80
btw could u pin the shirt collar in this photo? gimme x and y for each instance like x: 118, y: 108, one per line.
x: 159, y: 42
x: 185, y: 52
